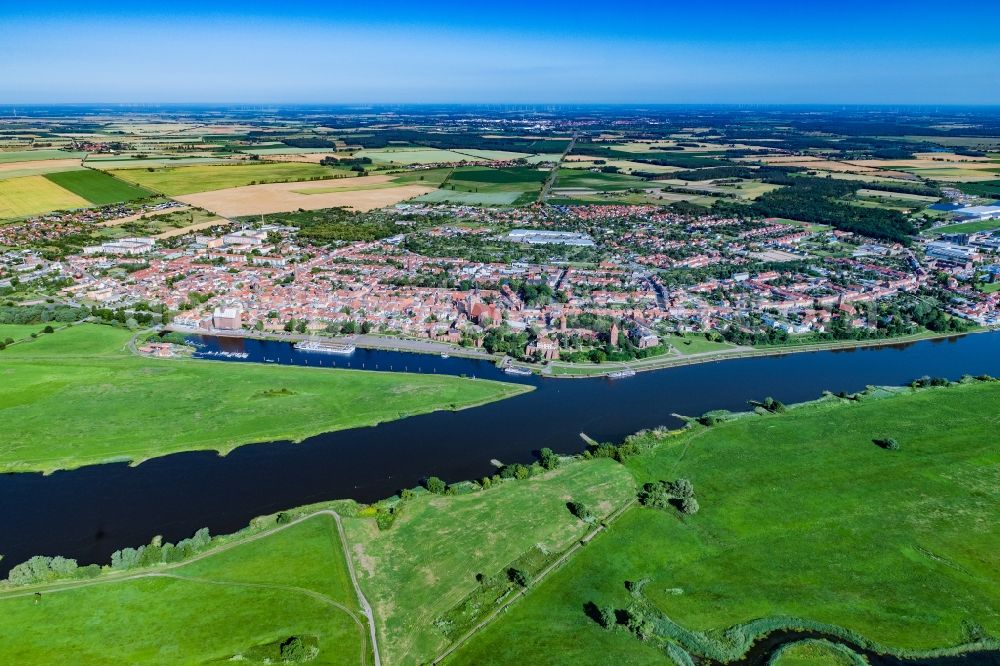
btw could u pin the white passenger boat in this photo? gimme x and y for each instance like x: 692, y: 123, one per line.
x: 325, y: 347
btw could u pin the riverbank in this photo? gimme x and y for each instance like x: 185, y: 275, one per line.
x: 796, y: 528
x: 564, y: 370
x: 78, y: 398
x: 583, y: 371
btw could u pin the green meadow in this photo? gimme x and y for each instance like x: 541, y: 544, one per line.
x: 151, y: 407
x: 427, y: 563
x: 204, y: 178
x: 17, y: 332
x: 239, y: 603
x: 802, y: 516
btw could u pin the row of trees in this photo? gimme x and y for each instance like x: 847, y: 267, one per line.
x: 42, y: 569
x: 41, y: 314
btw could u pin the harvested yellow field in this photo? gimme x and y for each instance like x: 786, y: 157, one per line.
x: 39, y: 164
x: 308, y: 158
x: 952, y: 157
x: 364, y: 193
x: 939, y: 163
x: 33, y: 195
x: 781, y: 159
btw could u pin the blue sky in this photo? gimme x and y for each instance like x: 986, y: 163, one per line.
x: 873, y: 52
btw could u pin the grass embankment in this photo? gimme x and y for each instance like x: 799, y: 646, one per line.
x: 77, y: 397
x: 815, y: 653
x: 802, y: 516
x: 421, y: 574
x: 245, y: 600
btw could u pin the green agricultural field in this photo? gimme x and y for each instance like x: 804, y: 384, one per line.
x: 602, y: 182
x: 109, y: 164
x: 426, y: 564
x: 988, y: 188
x: 965, y: 227
x: 151, y: 407
x: 802, y: 516
x: 490, y: 154
x: 423, y: 177
x: 954, y: 174
x: 407, y: 156
x: 98, y: 187
x: 470, y: 198
x: 501, y: 179
x: 34, y: 195
x: 238, y: 602
x: 489, y: 186
x: 900, y: 196
x: 33, y: 155
x: 204, y: 178
x: 285, y: 150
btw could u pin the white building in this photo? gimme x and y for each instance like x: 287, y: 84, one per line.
x: 979, y: 213
x: 123, y: 246
x: 542, y: 237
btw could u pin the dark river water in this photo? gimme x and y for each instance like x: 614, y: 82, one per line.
x: 90, y: 512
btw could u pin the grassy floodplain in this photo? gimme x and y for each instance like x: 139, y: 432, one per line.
x: 205, y: 178
x: 152, y: 407
x: 240, y: 601
x: 802, y: 516
x: 426, y: 564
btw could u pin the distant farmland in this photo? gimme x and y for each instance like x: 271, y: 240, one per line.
x: 364, y: 193
x: 35, y: 155
x: 98, y: 187
x: 205, y: 178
